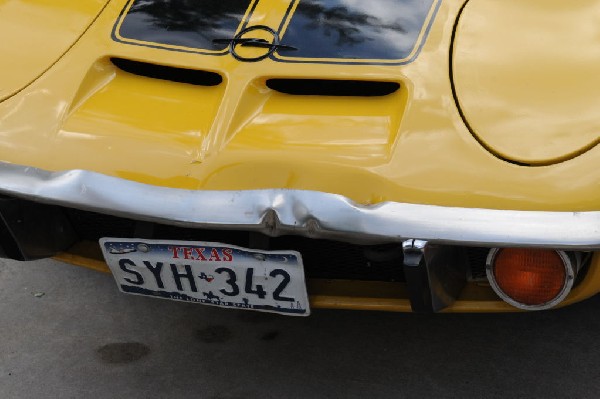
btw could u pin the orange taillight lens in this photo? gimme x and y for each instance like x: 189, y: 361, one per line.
x: 529, y: 276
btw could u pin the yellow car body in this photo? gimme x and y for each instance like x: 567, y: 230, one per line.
x: 493, y: 106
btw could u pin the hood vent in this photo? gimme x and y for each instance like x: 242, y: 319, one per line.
x: 173, y: 74
x: 325, y: 87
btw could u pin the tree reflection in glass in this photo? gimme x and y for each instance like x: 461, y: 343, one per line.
x: 374, y: 29
x: 189, y: 23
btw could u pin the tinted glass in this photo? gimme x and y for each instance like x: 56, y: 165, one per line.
x: 356, y: 29
x: 189, y: 23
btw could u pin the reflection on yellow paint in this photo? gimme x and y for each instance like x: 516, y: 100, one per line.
x: 35, y: 33
x: 407, y: 146
x: 525, y: 100
x: 532, y: 92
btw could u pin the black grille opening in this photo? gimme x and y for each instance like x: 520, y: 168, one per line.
x: 323, y: 259
x: 326, y: 259
x: 325, y: 87
x: 173, y: 74
x: 477, y: 258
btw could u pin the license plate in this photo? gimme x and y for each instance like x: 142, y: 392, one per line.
x: 209, y: 273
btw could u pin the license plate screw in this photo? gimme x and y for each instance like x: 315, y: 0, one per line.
x: 143, y: 248
x: 260, y: 257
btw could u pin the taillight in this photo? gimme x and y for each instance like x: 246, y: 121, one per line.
x: 532, y: 278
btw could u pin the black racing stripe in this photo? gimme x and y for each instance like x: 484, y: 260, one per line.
x: 247, y: 20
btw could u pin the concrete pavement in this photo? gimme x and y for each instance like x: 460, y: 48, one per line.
x: 67, y: 332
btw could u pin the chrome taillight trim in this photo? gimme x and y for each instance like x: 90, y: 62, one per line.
x: 308, y: 213
x: 571, y: 263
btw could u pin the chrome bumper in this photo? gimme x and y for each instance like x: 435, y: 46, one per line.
x: 308, y: 213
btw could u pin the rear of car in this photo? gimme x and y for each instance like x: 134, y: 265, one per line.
x: 279, y: 155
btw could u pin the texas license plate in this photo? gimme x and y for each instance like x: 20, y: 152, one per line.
x: 209, y: 273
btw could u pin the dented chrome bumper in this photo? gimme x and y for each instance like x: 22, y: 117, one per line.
x: 308, y: 213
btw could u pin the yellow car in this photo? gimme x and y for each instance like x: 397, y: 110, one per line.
x: 278, y: 155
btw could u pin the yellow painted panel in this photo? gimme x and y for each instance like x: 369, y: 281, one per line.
x: 526, y: 76
x: 142, y: 119
x: 345, y: 126
x: 35, y: 33
x: 83, y: 114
